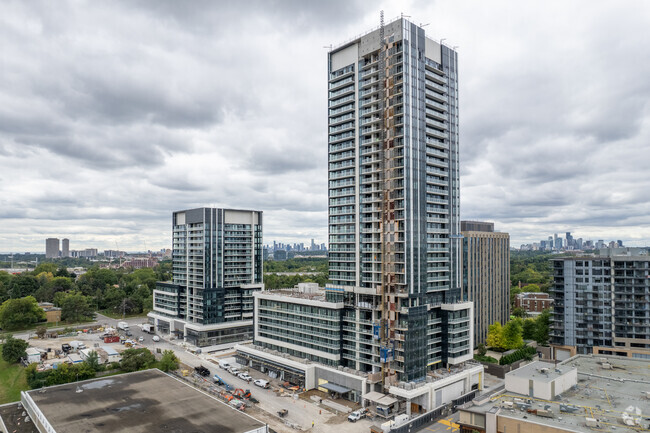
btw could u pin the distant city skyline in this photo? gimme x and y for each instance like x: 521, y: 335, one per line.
x: 101, y: 138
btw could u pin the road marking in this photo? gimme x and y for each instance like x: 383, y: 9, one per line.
x: 450, y: 424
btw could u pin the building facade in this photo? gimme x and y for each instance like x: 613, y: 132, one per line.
x: 533, y: 302
x: 51, y: 248
x: 486, y: 275
x: 394, y: 228
x: 217, y: 265
x: 65, y: 248
x: 602, y: 303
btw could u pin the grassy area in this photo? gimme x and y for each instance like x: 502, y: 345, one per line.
x: 12, y: 381
x: 113, y: 315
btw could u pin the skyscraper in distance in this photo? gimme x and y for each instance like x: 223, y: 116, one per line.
x: 51, y: 248
x: 65, y: 248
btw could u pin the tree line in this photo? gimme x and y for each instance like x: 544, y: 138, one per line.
x: 119, y: 290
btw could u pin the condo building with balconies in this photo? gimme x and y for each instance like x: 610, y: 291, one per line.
x: 602, y: 304
x: 394, y: 227
x: 217, y: 266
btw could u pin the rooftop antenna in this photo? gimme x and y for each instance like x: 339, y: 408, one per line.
x: 424, y: 25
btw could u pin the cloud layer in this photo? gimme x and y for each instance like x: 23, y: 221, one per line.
x: 114, y: 114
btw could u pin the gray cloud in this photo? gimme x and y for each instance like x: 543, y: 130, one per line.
x: 114, y: 114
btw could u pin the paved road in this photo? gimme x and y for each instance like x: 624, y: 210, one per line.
x: 448, y: 424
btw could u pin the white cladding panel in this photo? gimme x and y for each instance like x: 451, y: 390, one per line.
x: 453, y: 391
x: 432, y: 50
x: 241, y: 217
x: 345, y: 57
x: 180, y: 218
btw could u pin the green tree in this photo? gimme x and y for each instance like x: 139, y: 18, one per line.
x: 136, y: 359
x: 163, y: 270
x: 93, y: 360
x: 65, y: 373
x: 13, y: 349
x: 17, y: 313
x: 113, y: 297
x: 519, y: 312
x: 530, y: 288
x: 41, y: 331
x: 494, y: 337
x: 23, y: 285
x: 528, y: 329
x: 482, y: 350
x: 47, y: 267
x: 75, y: 307
x: 5, y: 284
x: 169, y: 361
x: 512, y: 338
x: 542, y: 324
x: 47, y: 291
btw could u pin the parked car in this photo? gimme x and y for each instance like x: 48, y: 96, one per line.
x: 262, y: 383
x: 202, y: 371
x: 224, y: 364
x: 129, y: 333
x: 155, y: 338
x: 245, y: 376
x: 233, y: 370
x: 140, y: 339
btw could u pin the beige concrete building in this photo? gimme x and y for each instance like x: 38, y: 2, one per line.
x: 52, y: 313
x: 486, y: 275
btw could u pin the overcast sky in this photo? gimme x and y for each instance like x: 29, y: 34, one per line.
x: 114, y: 114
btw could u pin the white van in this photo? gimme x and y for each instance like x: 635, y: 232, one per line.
x: 224, y: 364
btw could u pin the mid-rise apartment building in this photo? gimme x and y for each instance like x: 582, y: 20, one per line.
x: 486, y: 275
x: 394, y: 228
x: 217, y: 265
x: 533, y: 302
x: 65, y: 248
x: 602, y: 303
x: 51, y: 248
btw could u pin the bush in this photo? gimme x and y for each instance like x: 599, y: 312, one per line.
x: 523, y: 353
x: 488, y: 359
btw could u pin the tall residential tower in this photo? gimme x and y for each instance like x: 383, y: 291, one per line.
x: 394, y: 196
x: 486, y: 275
x: 394, y: 309
x: 217, y: 265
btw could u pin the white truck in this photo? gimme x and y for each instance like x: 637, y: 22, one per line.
x: 148, y: 328
x: 123, y: 326
x: 77, y: 345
